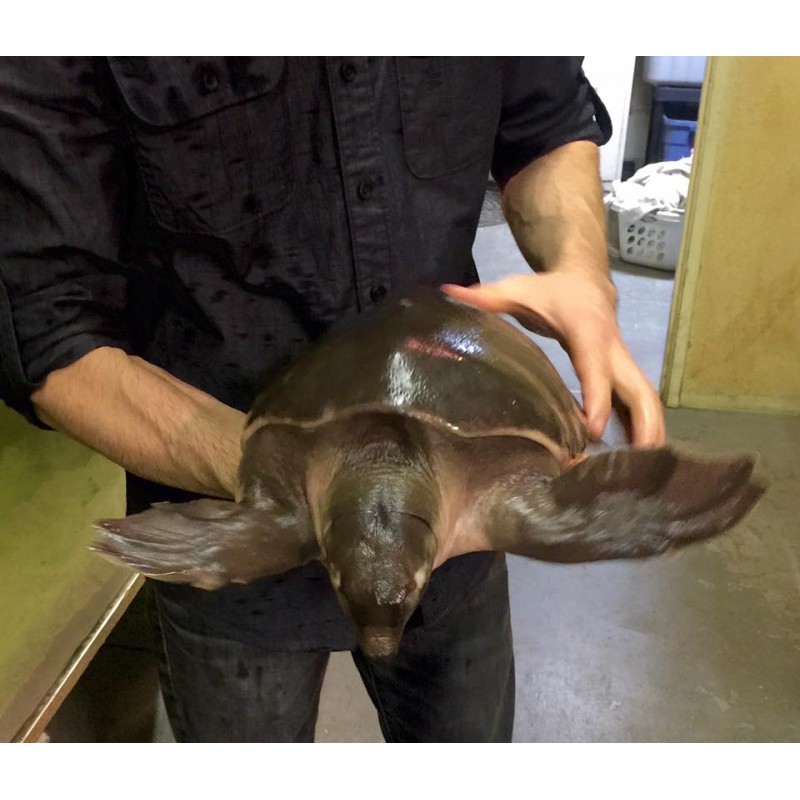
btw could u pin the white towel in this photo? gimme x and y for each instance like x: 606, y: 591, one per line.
x: 655, y: 187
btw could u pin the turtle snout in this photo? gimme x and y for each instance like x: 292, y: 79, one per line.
x: 379, y: 642
x: 379, y: 628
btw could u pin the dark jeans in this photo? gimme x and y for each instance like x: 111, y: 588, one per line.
x: 453, y: 680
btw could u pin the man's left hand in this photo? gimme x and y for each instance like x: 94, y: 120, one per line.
x: 580, y: 312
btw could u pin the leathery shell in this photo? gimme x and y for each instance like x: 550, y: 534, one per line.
x: 436, y: 359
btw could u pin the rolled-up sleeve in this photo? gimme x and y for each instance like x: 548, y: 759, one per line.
x: 547, y: 102
x: 62, y: 187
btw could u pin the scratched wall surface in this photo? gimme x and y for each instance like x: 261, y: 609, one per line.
x: 744, y: 326
x: 52, y: 589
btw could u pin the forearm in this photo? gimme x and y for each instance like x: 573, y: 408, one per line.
x: 144, y: 419
x: 554, y: 208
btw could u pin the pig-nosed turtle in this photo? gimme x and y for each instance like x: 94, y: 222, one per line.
x: 427, y: 430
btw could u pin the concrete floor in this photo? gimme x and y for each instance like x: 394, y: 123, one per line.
x: 700, y: 647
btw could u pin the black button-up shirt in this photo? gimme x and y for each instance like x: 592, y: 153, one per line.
x: 214, y: 215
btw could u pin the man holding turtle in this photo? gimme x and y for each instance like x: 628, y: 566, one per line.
x: 174, y: 229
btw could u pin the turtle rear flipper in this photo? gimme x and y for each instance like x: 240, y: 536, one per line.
x: 623, y: 504
x: 206, y: 543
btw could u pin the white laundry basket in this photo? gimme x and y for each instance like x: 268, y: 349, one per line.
x: 650, y: 241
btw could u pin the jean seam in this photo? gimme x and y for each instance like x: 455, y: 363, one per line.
x: 378, y: 702
x: 179, y: 729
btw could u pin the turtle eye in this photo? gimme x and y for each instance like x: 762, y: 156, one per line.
x: 420, y: 578
x: 336, y: 577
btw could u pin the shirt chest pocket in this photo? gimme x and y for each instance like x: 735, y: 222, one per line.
x: 211, y: 138
x: 450, y: 109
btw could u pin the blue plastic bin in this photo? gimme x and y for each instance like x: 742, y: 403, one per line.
x: 677, y: 138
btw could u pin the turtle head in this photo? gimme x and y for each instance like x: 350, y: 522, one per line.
x: 379, y: 561
x: 378, y: 541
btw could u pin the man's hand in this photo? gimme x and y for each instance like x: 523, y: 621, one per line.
x: 554, y: 207
x: 580, y: 312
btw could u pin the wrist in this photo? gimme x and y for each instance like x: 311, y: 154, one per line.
x: 226, y: 463
x: 580, y: 275
x: 208, y: 441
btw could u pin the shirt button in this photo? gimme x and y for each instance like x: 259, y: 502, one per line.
x: 348, y: 71
x: 209, y: 80
x: 377, y: 292
x: 365, y: 189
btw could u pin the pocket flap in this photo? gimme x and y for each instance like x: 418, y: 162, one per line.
x: 163, y: 91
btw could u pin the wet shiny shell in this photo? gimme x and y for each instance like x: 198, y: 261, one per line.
x: 435, y: 359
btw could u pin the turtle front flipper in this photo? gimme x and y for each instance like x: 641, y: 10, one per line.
x: 621, y: 504
x: 206, y: 543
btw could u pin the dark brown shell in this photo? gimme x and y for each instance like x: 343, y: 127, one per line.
x: 432, y: 358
